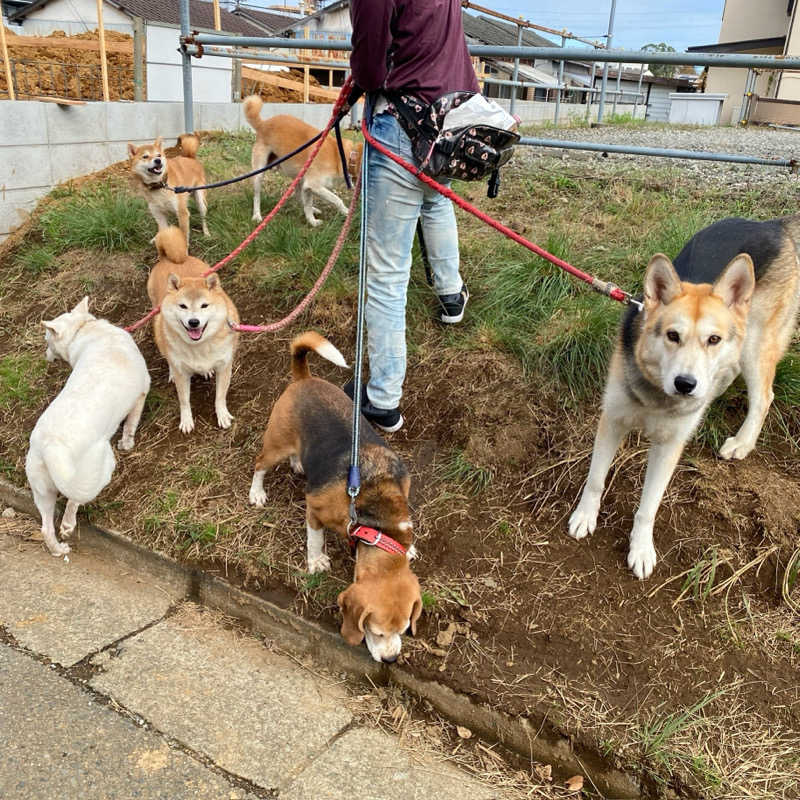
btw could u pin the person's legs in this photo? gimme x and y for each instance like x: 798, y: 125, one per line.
x: 441, y: 240
x: 395, y: 198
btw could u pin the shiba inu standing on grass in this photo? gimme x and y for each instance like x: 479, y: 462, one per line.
x: 155, y: 173
x: 192, y: 330
x: 727, y: 305
x: 70, y: 450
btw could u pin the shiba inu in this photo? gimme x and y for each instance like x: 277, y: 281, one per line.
x: 70, y: 451
x: 281, y: 134
x: 727, y: 305
x: 310, y: 425
x: 155, y: 173
x: 192, y: 330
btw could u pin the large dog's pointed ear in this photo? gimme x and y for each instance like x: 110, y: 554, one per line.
x: 173, y: 282
x: 737, y: 283
x: 158, y: 143
x: 53, y: 325
x: 212, y: 281
x: 355, y: 611
x: 82, y: 307
x: 131, y: 149
x: 661, y: 283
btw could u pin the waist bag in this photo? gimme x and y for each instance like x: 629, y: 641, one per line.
x: 461, y: 135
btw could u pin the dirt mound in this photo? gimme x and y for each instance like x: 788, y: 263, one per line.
x: 51, y: 71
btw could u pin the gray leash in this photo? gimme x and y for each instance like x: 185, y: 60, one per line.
x: 354, y: 473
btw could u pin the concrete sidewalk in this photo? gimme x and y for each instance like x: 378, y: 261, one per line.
x: 113, y: 687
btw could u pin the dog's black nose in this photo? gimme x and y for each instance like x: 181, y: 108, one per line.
x: 685, y: 383
x: 157, y: 162
x: 389, y: 660
x: 195, y: 323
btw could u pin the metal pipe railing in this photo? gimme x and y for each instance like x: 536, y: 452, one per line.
x: 695, y: 155
x: 510, y: 52
x: 186, y: 64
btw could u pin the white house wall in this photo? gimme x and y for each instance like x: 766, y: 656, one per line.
x: 73, y: 16
x: 211, y: 77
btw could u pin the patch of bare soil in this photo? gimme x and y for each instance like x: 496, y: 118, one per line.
x: 518, y: 615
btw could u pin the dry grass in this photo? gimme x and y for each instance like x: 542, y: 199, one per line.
x: 500, y: 417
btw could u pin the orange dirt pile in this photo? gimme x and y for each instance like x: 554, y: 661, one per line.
x: 277, y: 94
x: 74, y: 74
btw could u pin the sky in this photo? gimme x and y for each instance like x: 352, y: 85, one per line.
x: 680, y: 23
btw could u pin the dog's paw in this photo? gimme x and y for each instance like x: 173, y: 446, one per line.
x: 256, y: 218
x: 224, y: 418
x: 297, y: 467
x: 583, y: 521
x: 186, y: 424
x: 733, y: 448
x: 411, y: 553
x: 60, y: 549
x: 314, y: 222
x: 258, y: 497
x: 319, y: 564
x: 126, y: 442
x: 642, y: 557
x: 65, y: 531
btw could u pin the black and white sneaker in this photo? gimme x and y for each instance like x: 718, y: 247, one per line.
x: 388, y: 420
x: 452, y: 306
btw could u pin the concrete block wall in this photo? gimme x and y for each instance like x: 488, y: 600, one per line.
x: 43, y: 144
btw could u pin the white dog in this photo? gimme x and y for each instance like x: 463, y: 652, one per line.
x: 70, y: 448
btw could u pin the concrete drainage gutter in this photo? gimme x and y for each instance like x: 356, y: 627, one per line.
x: 304, y: 637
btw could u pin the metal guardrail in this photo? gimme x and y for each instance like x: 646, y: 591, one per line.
x: 196, y: 45
x: 530, y: 53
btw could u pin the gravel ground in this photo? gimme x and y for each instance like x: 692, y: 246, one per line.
x: 756, y: 141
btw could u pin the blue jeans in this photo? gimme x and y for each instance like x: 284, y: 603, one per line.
x: 395, y: 201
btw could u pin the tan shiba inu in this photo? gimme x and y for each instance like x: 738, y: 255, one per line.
x: 155, y: 172
x: 279, y: 135
x: 727, y: 305
x: 192, y: 330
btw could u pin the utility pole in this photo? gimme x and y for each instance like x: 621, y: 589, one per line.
x: 609, y: 39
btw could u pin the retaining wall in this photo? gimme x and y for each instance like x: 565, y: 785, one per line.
x: 44, y: 144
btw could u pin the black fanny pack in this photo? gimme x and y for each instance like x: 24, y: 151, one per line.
x: 468, y: 153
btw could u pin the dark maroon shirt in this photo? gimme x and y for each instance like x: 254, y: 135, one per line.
x: 414, y: 45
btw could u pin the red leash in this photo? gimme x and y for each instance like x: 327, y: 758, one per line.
x: 340, y: 102
x: 609, y: 289
x: 289, y: 318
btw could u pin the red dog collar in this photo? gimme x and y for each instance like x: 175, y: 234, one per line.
x: 374, y: 538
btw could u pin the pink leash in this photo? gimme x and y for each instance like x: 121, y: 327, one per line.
x: 340, y: 102
x: 604, y: 287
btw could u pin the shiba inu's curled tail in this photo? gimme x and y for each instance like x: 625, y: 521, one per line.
x: 252, y: 110
x: 303, y: 344
x: 171, y: 244
x: 189, y: 145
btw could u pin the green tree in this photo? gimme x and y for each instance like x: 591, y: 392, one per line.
x: 661, y: 70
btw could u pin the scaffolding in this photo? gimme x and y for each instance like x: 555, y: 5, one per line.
x: 196, y: 45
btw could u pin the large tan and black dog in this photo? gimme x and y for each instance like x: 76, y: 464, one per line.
x: 153, y: 171
x: 192, y: 330
x: 310, y: 425
x: 279, y: 135
x: 728, y: 305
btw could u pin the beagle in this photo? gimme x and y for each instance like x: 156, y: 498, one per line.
x: 311, y: 425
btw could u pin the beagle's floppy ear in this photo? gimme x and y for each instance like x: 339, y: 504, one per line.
x: 355, y: 610
x: 173, y: 282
